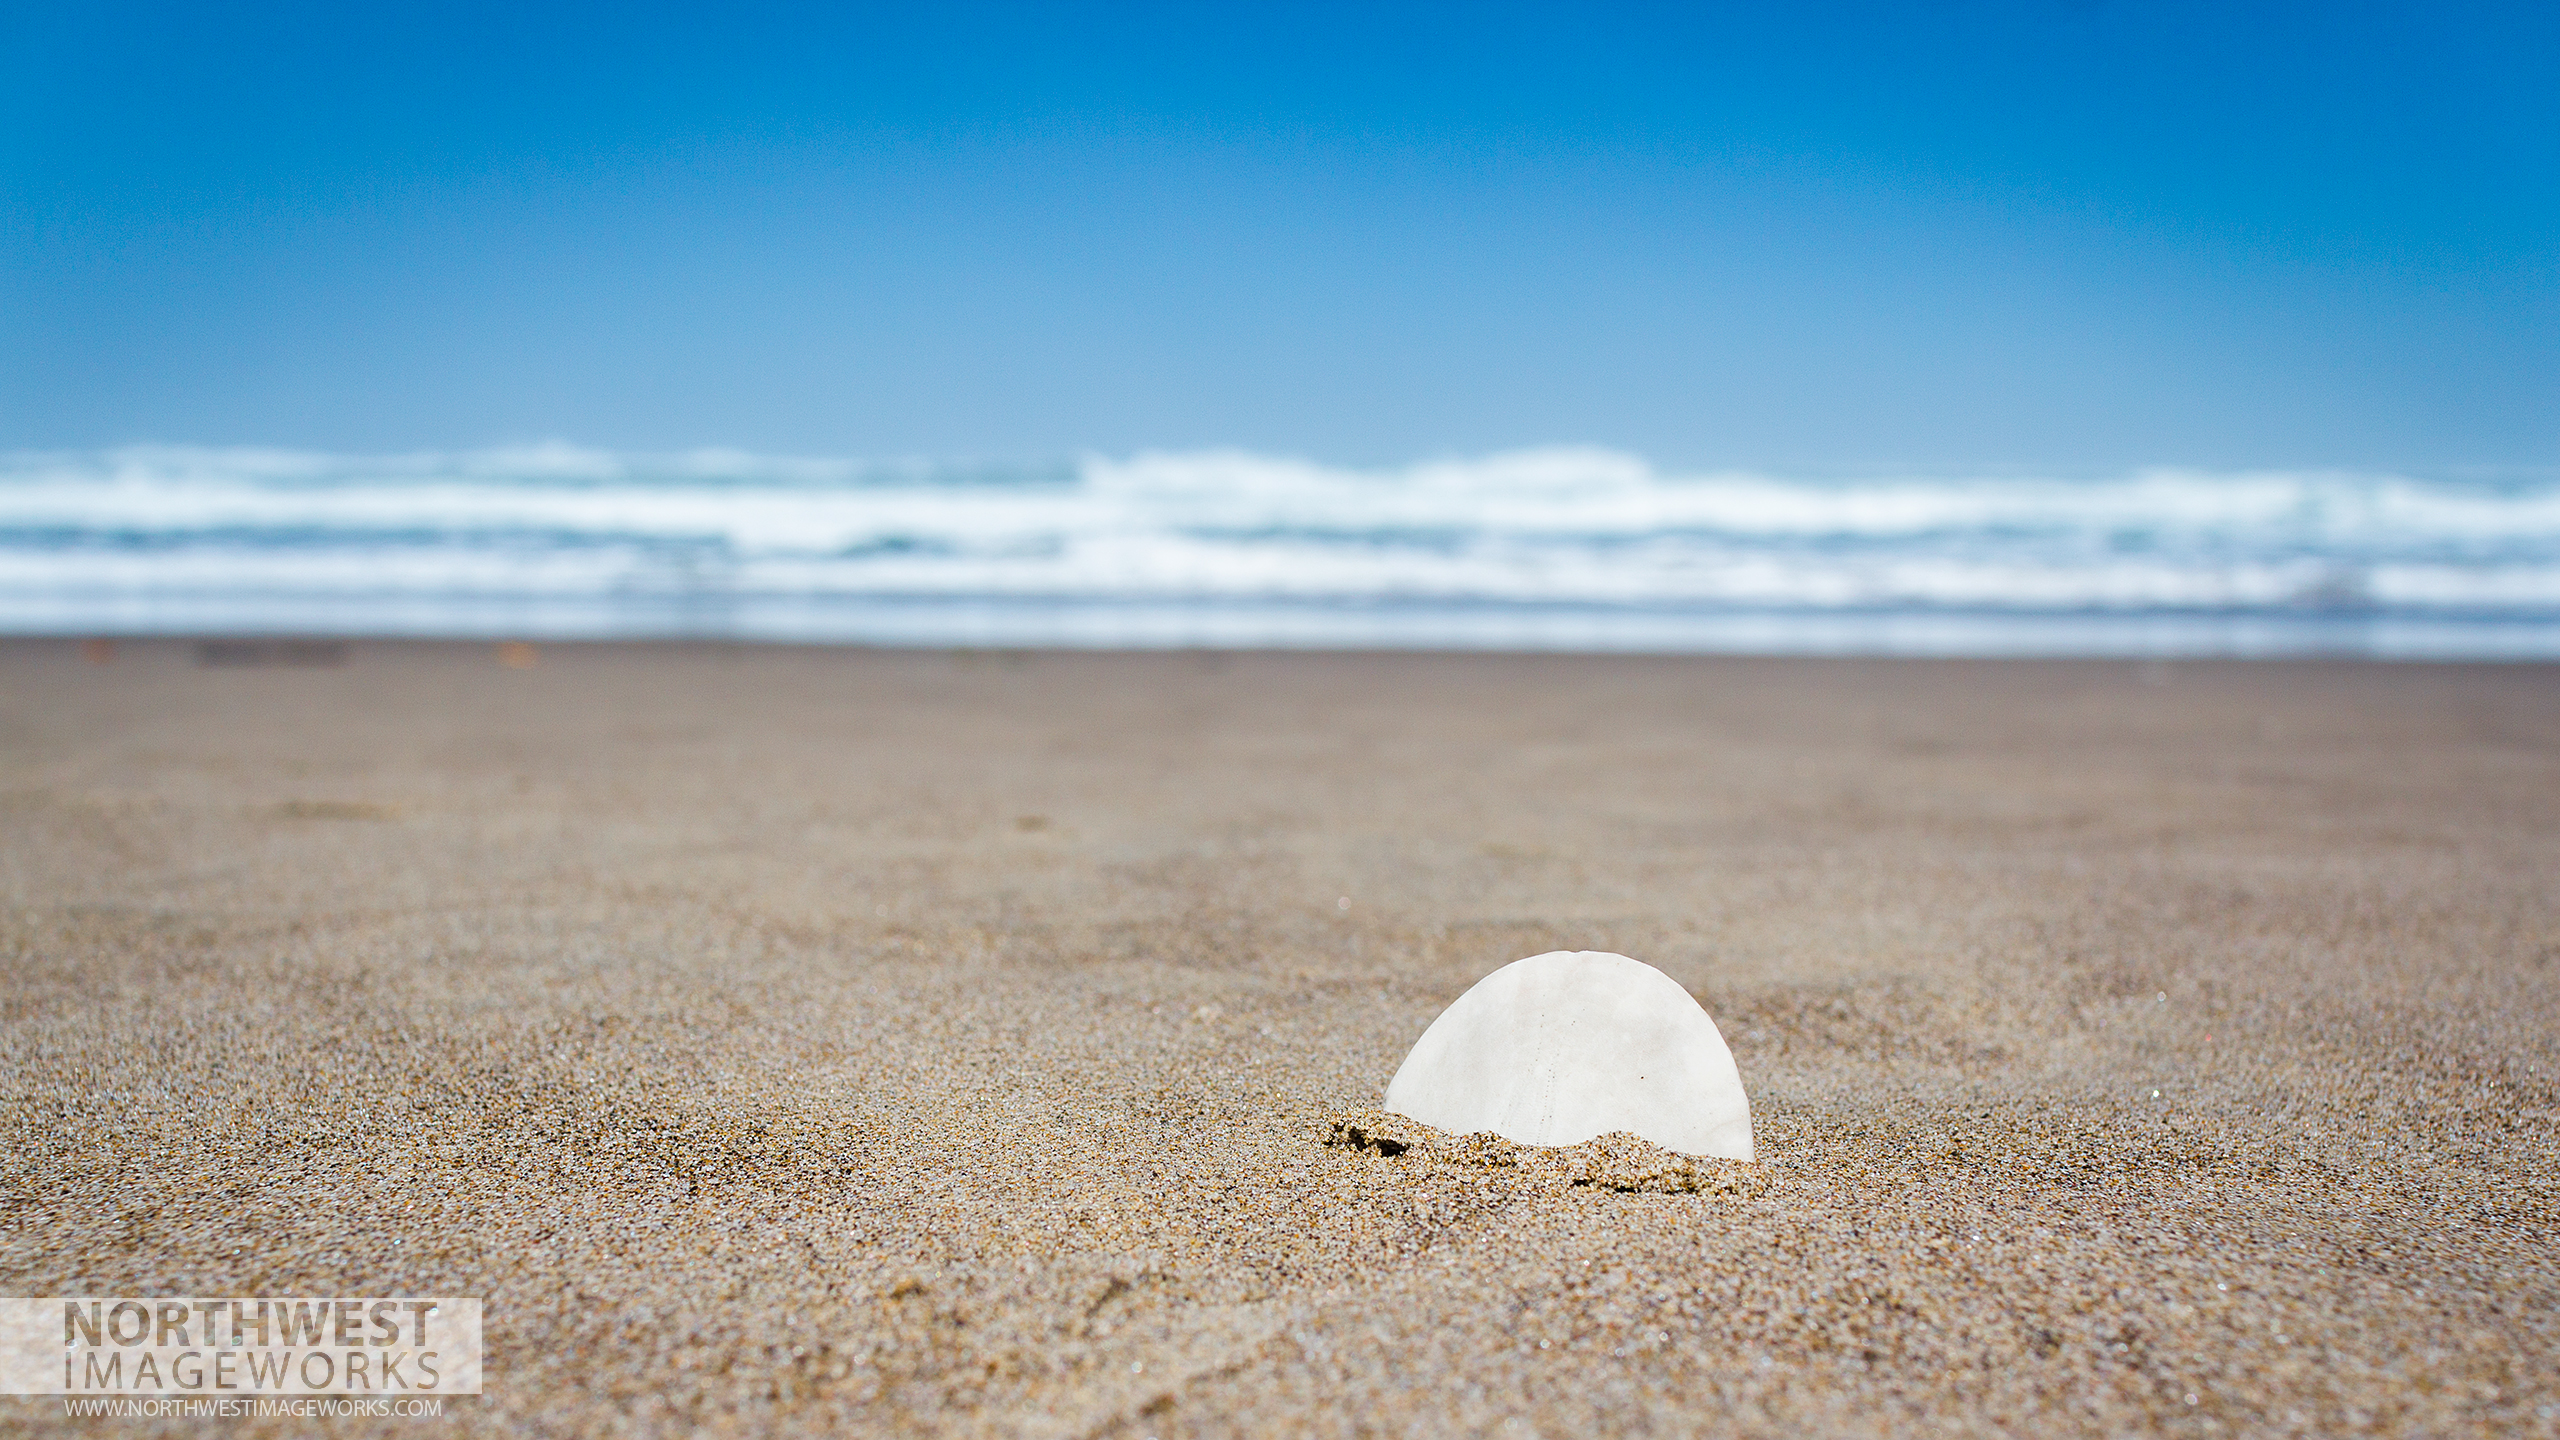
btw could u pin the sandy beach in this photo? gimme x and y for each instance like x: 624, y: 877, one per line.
x: 885, y: 1043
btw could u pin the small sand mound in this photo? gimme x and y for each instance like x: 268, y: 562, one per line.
x: 1616, y: 1161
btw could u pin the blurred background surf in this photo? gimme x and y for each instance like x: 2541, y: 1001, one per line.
x: 1538, y: 549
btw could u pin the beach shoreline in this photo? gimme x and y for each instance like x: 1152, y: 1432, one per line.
x: 946, y: 1041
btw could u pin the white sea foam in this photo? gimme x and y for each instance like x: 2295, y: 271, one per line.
x: 1580, y: 547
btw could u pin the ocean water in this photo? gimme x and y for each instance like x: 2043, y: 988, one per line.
x: 1578, y: 549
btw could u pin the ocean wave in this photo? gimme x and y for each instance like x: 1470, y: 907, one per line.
x: 317, y: 541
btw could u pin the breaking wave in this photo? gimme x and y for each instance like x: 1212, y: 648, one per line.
x: 1563, y: 548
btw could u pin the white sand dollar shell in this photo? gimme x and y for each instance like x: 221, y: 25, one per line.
x: 1558, y: 1048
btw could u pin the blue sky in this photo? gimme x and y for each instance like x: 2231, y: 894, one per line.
x: 2060, y: 236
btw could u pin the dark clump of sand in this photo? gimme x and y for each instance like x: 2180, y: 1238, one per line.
x: 1618, y: 1161
x: 916, y: 1043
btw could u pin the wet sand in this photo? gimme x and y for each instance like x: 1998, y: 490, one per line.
x: 946, y: 1044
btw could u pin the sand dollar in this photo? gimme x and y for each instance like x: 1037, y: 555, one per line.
x: 1558, y: 1048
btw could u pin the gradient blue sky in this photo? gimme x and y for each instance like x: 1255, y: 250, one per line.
x: 2075, y: 237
